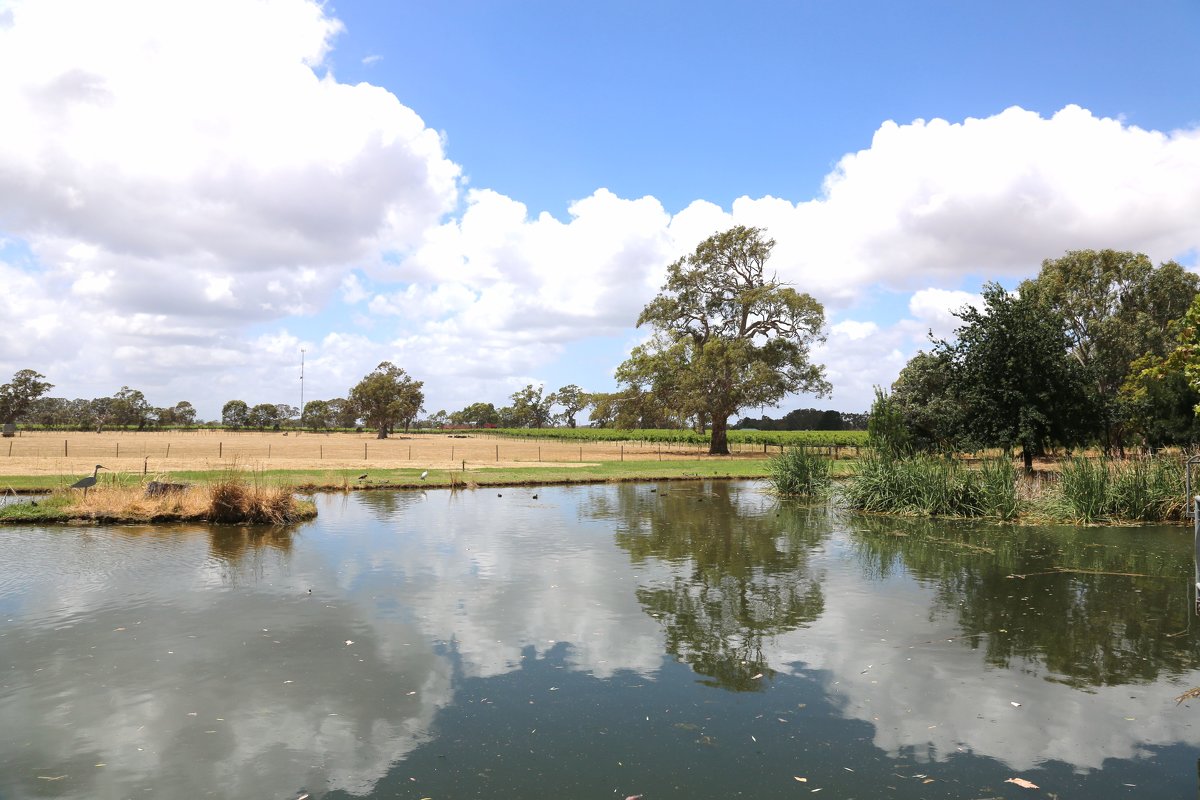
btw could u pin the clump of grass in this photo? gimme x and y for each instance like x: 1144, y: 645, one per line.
x: 798, y: 472
x: 927, y: 486
x: 1144, y: 490
x: 233, y: 499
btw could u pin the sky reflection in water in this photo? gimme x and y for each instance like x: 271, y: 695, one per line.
x: 697, y: 639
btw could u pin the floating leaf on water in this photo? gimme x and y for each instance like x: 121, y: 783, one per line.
x: 756, y: 677
x: 1014, y: 704
x: 349, y: 642
x: 1190, y: 694
x: 1024, y: 784
x: 634, y: 797
x: 802, y: 780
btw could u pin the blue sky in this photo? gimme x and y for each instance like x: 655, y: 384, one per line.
x: 486, y: 193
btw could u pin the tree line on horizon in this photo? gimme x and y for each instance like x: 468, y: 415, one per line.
x: 1101, y: 348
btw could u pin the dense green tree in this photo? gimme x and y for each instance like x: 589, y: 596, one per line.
x: 531, y: 408
x: 284, y: 414
x: 477, y: 415
x: 573, y: 400
x: 889, y: 435
x: 1159, y: 391
x: 924, y: 396
x: 731, y: 336
x: 1160, y: 404
x: 18, y: 394
x: 235, y: 414
x: 183, y: 413
x: 345, y: 414
x: 263, y: 416
x: 1011, y: 372
x: 386, y: 397
x: 129, y: 407
x: 1116, y: 307
x: 317, y: 415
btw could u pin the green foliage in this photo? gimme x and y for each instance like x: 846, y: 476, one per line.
x: 726, y: 335
x: 235, y: 414
x: 685, y: 436
x: 19, y: 394
x: 799, y: 472
x: 573, y: 400
x: 924, y: 395
x: 886, y: 429
x: 530, y: 408
x: 477, y: 415
x: 387, y: 397
x: 1117, y: 307
x: 1013, y: 377
x: 928, y: 486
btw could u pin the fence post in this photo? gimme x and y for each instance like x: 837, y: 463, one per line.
x: 220, y: 447
x: 64, y: 448
x: 364, y: 451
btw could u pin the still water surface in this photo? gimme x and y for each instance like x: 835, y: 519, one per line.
x: 669, y: 641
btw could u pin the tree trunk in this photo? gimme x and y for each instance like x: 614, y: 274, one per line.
x: 1027, y: 456
x: 719, y: 445
x: 382, y: 432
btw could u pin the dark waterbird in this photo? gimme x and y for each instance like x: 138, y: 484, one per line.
x: 88, y: 482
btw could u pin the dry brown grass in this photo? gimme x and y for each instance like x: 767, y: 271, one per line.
x: 233, y: 499
x: 74, y: 454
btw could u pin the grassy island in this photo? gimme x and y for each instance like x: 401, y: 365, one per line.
x: 230, y: 499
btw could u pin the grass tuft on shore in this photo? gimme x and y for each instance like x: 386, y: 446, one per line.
x: 799, y: 472
x: 230, y: 499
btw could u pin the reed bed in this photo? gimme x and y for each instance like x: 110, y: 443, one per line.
x: 1104, y: 490
x: 799, y: 472
x: 1085, y: 490
x: 928, y: 486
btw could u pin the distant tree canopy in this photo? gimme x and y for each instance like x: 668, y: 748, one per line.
x: 18, y: 395
x: 808, y: 419
x: 726, y: 336
x: 530, y: 408
x: 387, y: 397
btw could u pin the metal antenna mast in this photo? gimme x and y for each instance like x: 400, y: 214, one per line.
x: 301, y: 388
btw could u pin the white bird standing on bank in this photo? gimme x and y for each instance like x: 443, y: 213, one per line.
x: 89, y: 482
x: 424, y: 474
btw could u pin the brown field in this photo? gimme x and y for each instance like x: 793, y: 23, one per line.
x: 156, y: 453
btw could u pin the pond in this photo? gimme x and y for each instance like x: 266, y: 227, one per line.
x: 670, y: 640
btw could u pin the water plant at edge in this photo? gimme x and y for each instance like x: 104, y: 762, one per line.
x: 799, y: 472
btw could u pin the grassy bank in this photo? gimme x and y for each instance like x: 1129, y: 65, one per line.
x: 410, y: 477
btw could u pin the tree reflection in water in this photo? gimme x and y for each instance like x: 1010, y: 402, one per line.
x: 738, y: 571
x: 1094, y: 606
